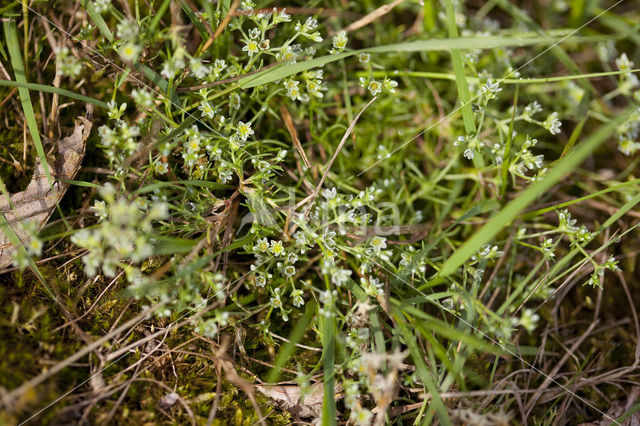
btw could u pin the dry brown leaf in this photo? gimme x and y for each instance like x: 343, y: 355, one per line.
x: 288, y: 398
x: 37, y: 202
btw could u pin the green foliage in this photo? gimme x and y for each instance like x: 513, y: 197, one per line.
x: 388, y: 213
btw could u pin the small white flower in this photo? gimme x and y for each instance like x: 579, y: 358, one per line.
x: 276, y: 248
x: 161, y: 168
x: 281, y: 16
x: 289, y: 270
x: 529, y: 320
x: 330, y: 194
x: 297, y: 298
x: 101, y: 6
x: 628, y: 146
x: 378, y: 243
x: 129, y: 52
x: 262, y: 246
x: 339, y: 42
x: 198, y: 69
x: 142, y: 97
x: 364, y: 57
x: 293, y: 91
x: 218, y: 66
x: 301, y: 238
x: 225, y: 176
x: 254, y: 33
x: 390, y: 85
x: 531, y: 109
x: 314, y: 89
x: 611, y: 264
x: 288, y: 54
x: 490, y: 89
x: 374, y: 87
x: 275, y: 301
x: 340, y: 276
x: 206, y: 109
x: 251, y: 47
x: 261, y: 281
x: 623, y: 63
x: 244, y: 130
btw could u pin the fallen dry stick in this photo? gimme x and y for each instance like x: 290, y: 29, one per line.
x: 37, y: 202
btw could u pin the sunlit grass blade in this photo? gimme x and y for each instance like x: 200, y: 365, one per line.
x: 519, y: 81
x: 11, y: 35
x: 98, y: 20
x: 458, y: 68
x: 282, y: 71
x: 436, y: 403
x: 328, y: 367
x: 56, y: 90
x: 288, y: 348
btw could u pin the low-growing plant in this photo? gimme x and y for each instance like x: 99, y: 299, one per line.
x: 383, y: 206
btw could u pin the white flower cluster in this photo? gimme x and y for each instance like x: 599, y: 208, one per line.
x: 313, y: 84
x: 120, y: 141
x: 121, y: 234
x: 66, y: 63
x: 471, y: 143
x: 375, y: 87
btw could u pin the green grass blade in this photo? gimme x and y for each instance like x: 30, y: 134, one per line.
x: 171, y: 245
x: 422, y: 370
x: 197, y: 23
x: 289, y: 347
x: 328, y: 367
x: 158, y: 15
x: 56, y: 90
x: 11, y: 35
x: 98, y: 20
x: 556, y: 50
x: 444, y: 329
x: 458, y: 69
x: 540, y: 80
x: 507, y: 148
x: 178, y: 184
x: 429, y: 20
x: 513, y: 208
x: 282, y: 71
x: 613, y: 188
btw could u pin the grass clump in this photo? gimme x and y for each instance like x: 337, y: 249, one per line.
x: 416, y: 213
